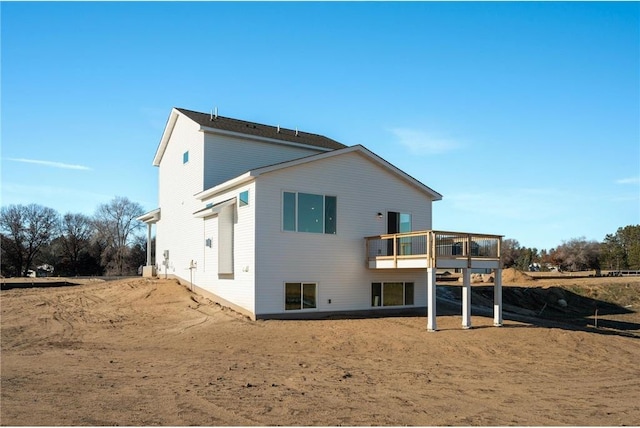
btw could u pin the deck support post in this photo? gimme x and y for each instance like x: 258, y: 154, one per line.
x: 431, y: 299
x: 466, y: 298
x: 497, y: 298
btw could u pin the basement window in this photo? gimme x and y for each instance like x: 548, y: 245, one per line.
x: 392, y: 294
x: 300, y: 295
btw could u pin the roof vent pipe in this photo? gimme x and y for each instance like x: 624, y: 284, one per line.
x: 278, y: 129
x: 296, y: 131
x: 211, y: 117
x: 216, y: 112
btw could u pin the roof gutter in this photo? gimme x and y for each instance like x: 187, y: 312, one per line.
x: 234, y: 182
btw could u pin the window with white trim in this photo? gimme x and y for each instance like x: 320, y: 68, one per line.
x: 392, y: 293
x: 306, y: 212
x: 300, y: 296
x: 243, y: 198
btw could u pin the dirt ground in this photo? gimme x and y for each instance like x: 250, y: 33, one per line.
x: 148, y: 352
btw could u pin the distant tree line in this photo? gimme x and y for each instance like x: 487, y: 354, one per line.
x: 618, y: 251
x: 106, y: 243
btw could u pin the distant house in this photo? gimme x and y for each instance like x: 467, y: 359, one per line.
x: 279, y: 223
x: 43, y: 270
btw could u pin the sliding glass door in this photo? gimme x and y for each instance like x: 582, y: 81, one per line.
x: 399, y: 223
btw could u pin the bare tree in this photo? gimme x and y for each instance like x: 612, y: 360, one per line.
x: 577, y: 254
x: 116, y: 225
x: 510, y: 251
x: 25, y: 229
x: 76, y: 232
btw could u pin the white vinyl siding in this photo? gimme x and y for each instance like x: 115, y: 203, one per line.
x: 186, y: 236
x: 209, y: 258
x: 227, y: 157
x: 363, y: 189
x: 230, y: 269
x: 176, y: 231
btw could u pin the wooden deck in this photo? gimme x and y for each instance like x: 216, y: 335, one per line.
x: 433, y: 249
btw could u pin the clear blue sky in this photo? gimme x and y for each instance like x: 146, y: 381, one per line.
x: 525, y: 116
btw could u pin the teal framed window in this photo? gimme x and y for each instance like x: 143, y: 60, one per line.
x: 243, y: 198
x: 185, y: 157
x: 289, y: 211
x: 311, y: 213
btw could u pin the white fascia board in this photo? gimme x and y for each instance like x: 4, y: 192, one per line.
x: 434, y: 195
x: 208, y: 130
x: 214, y: 209
x: 168, y: 129
x: 151, y: 217
x: 303, y: 160
x: 212, y: 191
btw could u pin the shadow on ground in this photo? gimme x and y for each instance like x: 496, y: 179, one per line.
x: 547, y: 307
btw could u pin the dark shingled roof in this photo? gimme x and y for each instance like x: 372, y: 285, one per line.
x: 259, y: 130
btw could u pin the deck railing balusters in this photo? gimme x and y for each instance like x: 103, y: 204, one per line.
x: 434, y: 244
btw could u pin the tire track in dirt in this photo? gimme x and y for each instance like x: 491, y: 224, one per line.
x: 152, y: 353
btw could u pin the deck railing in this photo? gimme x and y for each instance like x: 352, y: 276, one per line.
x: 432, y: 245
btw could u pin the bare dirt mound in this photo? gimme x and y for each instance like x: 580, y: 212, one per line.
x: 148, y: 352
x: 45, y: 282
x: 514, y: 276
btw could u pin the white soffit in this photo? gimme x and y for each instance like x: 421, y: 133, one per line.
x: 151, y: 217
x: 171, y: 123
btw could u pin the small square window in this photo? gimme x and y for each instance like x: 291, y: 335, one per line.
x: 244, y: 198
x: 185, y: 157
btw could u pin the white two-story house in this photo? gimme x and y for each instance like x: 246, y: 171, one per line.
x: 279, y: 223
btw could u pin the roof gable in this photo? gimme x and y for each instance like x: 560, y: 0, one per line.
x: 241, y: 128
x: 368, y: 154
